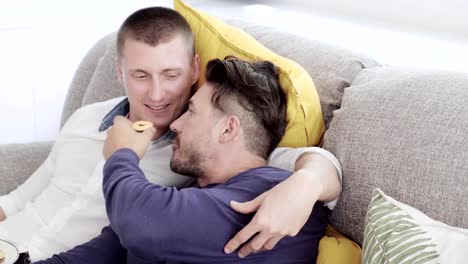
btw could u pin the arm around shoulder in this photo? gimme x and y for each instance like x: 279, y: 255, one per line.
x: 316, y: 177
x: 317, y: 168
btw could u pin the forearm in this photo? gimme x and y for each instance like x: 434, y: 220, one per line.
x: 126, y: 190
x: 149, y: 218
x: 138, y: 211
x: 319, y: 173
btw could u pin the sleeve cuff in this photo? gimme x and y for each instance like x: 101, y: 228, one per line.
x: 286, y: 158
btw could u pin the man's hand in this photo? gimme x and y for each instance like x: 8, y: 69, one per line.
x: 123, y: 135
x: 281, y: 211
x: 2, y: 214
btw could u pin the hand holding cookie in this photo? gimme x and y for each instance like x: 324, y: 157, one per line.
x: 141, y: 126
x: 125, y: 134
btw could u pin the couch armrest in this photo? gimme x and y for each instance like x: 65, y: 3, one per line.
x: 19, y: 161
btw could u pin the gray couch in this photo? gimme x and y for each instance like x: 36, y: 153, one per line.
x: 402, y: 130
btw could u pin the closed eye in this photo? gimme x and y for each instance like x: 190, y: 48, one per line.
x: 172, y: 76
x: 140, y: 75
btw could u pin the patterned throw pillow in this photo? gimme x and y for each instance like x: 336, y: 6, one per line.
x: 398, y: 233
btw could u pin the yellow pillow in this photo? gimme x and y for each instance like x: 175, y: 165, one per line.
x: 334, y: 248
x: 215, y: 39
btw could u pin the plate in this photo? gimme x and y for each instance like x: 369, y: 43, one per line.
x: 10, y: 251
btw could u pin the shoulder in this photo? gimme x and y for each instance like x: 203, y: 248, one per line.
x: 92, y: 113
x: 267, y: 173
x: 249, y: 184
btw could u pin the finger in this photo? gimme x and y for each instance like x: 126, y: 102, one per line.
x: 121, y: 121
x: 149, y: 133
x: 118, y: 119
x: 245, y: 234
x: 255, y: 245
x: 271, y: 243
x: 248, y: 207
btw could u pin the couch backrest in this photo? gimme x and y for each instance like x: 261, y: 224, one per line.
x: 96, y: 79
x: 404, y: 131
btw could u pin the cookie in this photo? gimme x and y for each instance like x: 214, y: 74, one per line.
x: 2, y: 256
x: 140, y: 126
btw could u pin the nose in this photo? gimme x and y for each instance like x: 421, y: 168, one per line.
x: 177, y: 124
x: 156, y: 92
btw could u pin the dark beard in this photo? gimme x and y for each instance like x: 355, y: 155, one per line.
x: 189, y: 168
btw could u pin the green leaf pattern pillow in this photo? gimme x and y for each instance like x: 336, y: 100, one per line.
x: 398, y: 233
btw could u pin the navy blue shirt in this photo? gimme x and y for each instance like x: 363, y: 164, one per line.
x: 156, y: 224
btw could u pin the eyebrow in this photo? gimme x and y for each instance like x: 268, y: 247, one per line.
x: 172, y: 69
x: 178, y: 70
x: 139, y: 71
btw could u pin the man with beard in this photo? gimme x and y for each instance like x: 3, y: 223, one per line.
x: 232, y: 125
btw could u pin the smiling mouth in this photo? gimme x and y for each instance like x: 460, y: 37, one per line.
x: 158, y: 108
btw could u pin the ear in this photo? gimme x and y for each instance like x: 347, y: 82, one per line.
x: 119, y: 71
x: 231, y: 130
x: 195, y: 69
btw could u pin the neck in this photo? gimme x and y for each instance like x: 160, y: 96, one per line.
x: 159, y: 133
x: 220, y: 170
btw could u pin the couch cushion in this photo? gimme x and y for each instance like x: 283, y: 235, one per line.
x: 215, y: 39
x: 19, y: 161
x: 404, y: 132
x: 332, y: 68
x: 334, y: 248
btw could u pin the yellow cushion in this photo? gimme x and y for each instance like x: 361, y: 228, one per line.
x: 334, y: 248
x: 215, y: 39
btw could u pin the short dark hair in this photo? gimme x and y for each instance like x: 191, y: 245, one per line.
x: 252, y: 91
x: 154, y: 25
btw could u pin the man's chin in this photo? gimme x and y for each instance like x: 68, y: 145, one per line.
x: 184, y: 168
x: 159, y: 120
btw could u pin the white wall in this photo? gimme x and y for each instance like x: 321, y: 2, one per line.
x: 41, y: 45
x: 445, y: 19
x: 430, y: 34
x: 42, y: 42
